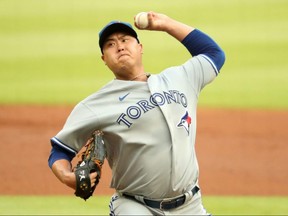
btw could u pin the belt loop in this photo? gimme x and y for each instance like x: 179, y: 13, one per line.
x: 140, y: 198
x: 191, y: 193
x: 188, y: 195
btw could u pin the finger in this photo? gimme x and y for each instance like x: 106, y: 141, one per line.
x: 93, y: 175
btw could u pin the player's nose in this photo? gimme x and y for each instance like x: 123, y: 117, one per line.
x: 120, y: 47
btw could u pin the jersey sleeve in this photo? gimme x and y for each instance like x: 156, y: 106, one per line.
x: 78, y: 128
x: 198, y: 43
x: 194, y: 74
x: 58, y: 153
x: 200, y: 71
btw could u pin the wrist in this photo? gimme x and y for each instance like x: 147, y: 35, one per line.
x: 69, y: 179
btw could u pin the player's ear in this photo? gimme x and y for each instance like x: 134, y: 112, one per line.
x: 141, y: 48
x: 103, y: 59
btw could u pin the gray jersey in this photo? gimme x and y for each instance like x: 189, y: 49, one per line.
x: 149, y: 128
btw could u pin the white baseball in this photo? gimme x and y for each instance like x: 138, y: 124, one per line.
x: 141, y: 20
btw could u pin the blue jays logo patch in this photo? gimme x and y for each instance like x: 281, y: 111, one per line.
x: 185, y: 122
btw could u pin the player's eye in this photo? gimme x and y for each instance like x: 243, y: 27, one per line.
x: 110, y: 44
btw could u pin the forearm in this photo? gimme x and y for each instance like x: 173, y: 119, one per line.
x: 161, y: 22
x: 62, y: 169
x: 177, y: 29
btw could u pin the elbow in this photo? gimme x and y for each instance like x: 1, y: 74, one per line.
x: 50, y: 162
x: 57, y: 153
x: 222, y: 58
x: 218, y: 57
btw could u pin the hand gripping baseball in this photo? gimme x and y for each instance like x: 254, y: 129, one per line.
x: 91, y: 161
x: 151, y: 21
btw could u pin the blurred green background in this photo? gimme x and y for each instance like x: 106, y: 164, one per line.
x: 49, y: 55
x: 98, y: 205
x: 49, y: 49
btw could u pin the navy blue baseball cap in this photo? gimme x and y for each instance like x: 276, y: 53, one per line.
x: 115, y: 26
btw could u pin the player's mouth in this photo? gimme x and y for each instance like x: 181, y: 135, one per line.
x: 122, y: 55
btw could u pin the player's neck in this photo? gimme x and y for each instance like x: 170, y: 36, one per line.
x: 140, y: 77
x: 133, y: 76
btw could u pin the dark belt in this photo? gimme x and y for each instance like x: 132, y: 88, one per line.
x: 165, y: 204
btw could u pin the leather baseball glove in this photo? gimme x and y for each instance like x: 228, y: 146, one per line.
x: 91, y: 160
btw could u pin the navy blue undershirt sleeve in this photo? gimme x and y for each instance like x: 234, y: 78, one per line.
x: 198, y: 42
x: 58, y: 153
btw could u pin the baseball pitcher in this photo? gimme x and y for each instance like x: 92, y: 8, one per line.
x: 147, y: 122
